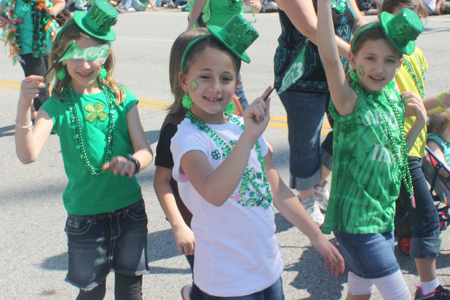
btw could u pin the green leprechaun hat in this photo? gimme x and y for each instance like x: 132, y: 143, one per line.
x: 237, y: 35
x: 402, y: 29
x: 98, y: 20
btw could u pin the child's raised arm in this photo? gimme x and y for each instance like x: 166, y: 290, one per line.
x: 29, y: 143
x: 217, y: 185
x: 344, y: 98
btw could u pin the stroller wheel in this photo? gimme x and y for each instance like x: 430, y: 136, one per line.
x: 443, y: 220
x: 404, y: 244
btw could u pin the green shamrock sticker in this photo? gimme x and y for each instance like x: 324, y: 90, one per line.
x: 95, y: 112
x: 194, y: 85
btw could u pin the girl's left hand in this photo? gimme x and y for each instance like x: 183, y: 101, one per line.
x: 332, y: 256
x: 120, y: 164
x: 257, y: 115
x: 415, y: 104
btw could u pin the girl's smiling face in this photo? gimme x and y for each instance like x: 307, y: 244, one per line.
x: 376, y: 64
x: 84, y: 73
x: 210, y: 82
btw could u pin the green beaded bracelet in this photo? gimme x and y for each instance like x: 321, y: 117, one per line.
x: 439, y: 99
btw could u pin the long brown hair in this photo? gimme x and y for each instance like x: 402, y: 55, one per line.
x: 176, y: 53
x: 73, y: 32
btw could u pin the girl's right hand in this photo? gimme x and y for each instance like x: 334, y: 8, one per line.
x: 184, y: 237
x: 332, y: 256
x: 29, y: 88
x: 257, y: 116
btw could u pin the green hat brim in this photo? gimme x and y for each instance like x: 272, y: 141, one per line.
x: 78, y: 17
x: 408, y: 49
x: 215, y: 32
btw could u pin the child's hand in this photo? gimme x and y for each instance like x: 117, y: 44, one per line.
x: 257, y: 115
x: 332, y: 256
x: 120, y: 164
x: 184, y: 237
x: 415, y: 104
x: 29, y: 88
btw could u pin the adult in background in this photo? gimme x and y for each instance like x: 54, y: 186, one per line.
x: 30, y: 28
x: 306, y: 101
x: 219, y: 12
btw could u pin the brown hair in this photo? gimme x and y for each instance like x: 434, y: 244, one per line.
x: 390, y: 5
x: 176, y: 53
x: 370, y: 34
x: 437, y: 123
x: 73, y: 32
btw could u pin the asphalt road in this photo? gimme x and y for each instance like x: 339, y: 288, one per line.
x: 33, y: 259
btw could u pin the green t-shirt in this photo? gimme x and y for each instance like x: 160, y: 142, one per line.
x: 223, y: 10
x: 366, y: 177
x: 88, y: 194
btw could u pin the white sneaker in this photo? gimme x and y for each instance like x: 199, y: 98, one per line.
x: 131, y: 9
x: 323, y: 194
x: 186, y: 291
x: 313, y: 210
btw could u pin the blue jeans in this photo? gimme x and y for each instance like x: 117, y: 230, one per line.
x: 368, y: 255
x: 425, y: 240
x: 305, y: 113
x: 274, y: 292
x: 135, y: 3
x: 98, y: 243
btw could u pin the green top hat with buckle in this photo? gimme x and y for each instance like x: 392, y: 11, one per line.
x: 237, y: 35
x: 400, y: 30
x: 98, y: 20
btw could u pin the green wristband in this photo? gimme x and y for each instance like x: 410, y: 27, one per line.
x: 439, y: 99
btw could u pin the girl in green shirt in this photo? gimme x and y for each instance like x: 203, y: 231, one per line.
x: 370, y: 147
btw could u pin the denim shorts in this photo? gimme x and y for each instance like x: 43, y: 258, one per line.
x: 368, y: 256
x: 273, y: 292
x: 98, y: 243
x: 425, y: 240
x: 305, y: 113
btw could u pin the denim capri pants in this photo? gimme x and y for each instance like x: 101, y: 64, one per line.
x: 305, y: 113
x: 98, y: 243
x: 368, y: 256
x: 425, y: 241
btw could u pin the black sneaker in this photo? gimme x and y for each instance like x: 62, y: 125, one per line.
x: 439, y: 293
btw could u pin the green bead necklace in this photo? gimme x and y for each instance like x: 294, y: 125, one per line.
x: 78, y: 136
x: 341, y: 7
x: 260, y: 198
x: 402, y: 157
x: 411, y: 72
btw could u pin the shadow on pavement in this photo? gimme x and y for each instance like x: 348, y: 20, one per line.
x: 312, y: 276
x: 4, y: 131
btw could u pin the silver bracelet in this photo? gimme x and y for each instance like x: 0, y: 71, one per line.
x: 24, y: 127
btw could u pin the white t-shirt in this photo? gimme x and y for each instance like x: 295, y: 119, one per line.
x: 236, y: 252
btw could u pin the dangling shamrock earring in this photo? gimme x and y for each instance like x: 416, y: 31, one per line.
x: 391, y: 85
x: 187, y: 102
x: 354, y: 76
x: 230, y: 108
x: 103, y: 73
x: 61, y: 74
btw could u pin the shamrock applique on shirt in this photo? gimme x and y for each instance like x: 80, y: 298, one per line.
x: 95, y: 112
